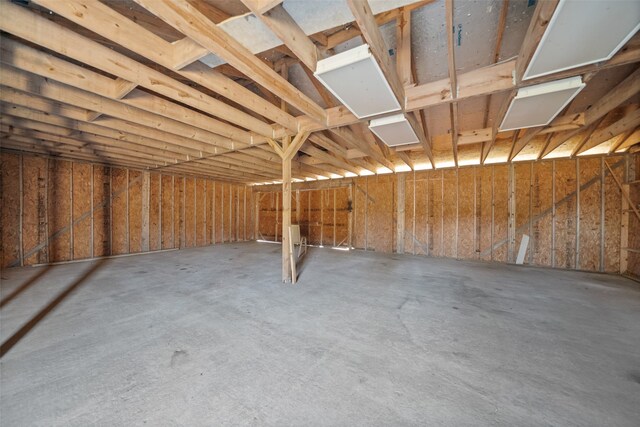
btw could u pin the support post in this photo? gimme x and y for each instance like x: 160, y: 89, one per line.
x: 286, y: 218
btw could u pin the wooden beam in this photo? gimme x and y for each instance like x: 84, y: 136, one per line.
x: 191, y: 22
x: 276, y: 147
x: 453, y: 79
x: 615, y: 97
x: 406, y: 68
x: 295, y: 145
x: 350, y: 30
x: 403, y: 48
x: 504, y: 9
x: 622, y: 126
x: 479, y: 82
x: 631, y: 137
x: 625, y: 194
x: 286, y: 220
x: 278, y: 20
x: 370, y: 150
x: 127, y: 33
x: 190, y: 124
x: 371, y: 34
x: 537, y: 26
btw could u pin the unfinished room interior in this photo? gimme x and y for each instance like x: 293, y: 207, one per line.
x: 320, y: 212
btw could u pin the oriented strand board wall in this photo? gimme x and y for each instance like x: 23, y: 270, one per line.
x: 633, y: 240
x: 55, y: 210
x: 11, y: 173
x: 482, y: 212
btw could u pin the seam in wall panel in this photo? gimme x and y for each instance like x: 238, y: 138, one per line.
x: 71, y: 237
x: 21, y: 196
x: 553, y: 213
x: 602, y: 214
x: 92, y: 213
x: 577, y: 251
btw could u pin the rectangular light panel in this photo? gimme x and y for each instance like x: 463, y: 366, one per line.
x: 394, y: 130
x: 539, y: 104
x: 355, y: 78
x: 583, y: 32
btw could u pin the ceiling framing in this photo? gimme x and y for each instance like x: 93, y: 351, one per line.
x: 121, y: 83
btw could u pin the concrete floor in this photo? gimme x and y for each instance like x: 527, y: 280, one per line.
x: 210, y: 336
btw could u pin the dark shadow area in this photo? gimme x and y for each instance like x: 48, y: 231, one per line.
x: 27, y: 327
x: 23, y: 287
x: 48, y: 218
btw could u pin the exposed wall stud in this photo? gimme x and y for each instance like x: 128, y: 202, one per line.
x: 21, y: 195
x: 553, y: 213
x: 400, y: 206
x: 71, y: 240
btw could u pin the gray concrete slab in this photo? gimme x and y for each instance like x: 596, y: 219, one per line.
x: 209, y: 336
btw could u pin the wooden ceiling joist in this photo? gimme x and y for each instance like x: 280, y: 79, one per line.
x: 122, y: 85
x: 615, y: 97
x: 79, y: 79
x: 192, y: 23
x: 22, y: 23
x: 278, y: 20
x: 137, y: 39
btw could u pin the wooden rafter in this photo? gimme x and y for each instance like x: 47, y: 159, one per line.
x: 371, y: 33
x: 406, y: 71
x: 621, y: 93
x: 137, y: 39
x: 282, y: 24
x: 541, y: 16
x: 191, y: 22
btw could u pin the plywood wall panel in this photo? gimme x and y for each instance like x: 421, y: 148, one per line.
x: 101, y: 211
x: 34, y: 209
x: 168, y: 213
x: 484, y: 197
x: 484, y: 207
x: 190, y: 212
x: 500, y: 212
x: 633, y: 261
x: 436, y: 209
x: 302, y: 212
x: 200, y: 206
x: 155, y: 204
x: 409, y: 207
x: 10, y: 209
x: 420, y: 243
x: 450, y: 213
x: 522, y: 179
x: 589, y: 235
x: 241, y: 223
x: 226, y: 217
x: 82, y: 210
x: 266, y: 212
x: 59, y: 210
x: 178, y: 212
x: 235, y: 213
x: 541, y: 206
x: 381, y: 213
x: 359, y: 212
x: 466, y: 213
x: 135, y: 211
x: 565, y: 219
x: 328, y: 198
x: 218, y: 190
x: 316, y: 201
x: 208, y: 212
x: 612, y: 215
x: 119, y: 212
x: 342, y: 216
